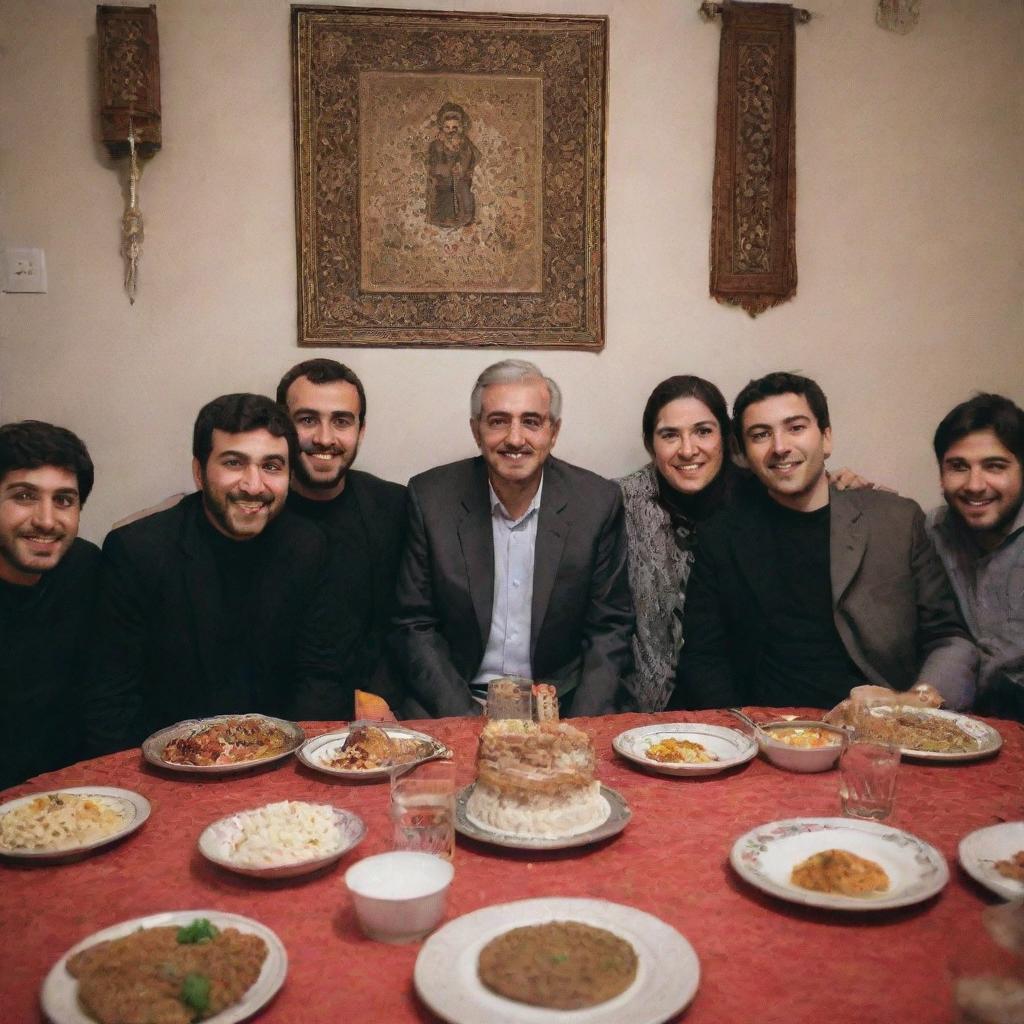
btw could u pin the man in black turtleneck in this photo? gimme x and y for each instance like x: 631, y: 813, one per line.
x: 47, y: 591
x: 800, y: 592
x: 221, y: 604
x: 362, y: 516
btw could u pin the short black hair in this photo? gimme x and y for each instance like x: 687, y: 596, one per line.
x: 984, y: 411
x: 32, y: 444
x: 238, y: 414
x: 683, y: 385
x: 779, y: 383
x: 322, y: 371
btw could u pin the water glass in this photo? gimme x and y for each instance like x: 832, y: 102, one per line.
x: 510, y: 697
x: 867, y: 777
x: 423, y: 809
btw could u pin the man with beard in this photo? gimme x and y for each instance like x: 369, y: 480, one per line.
x: 801, y: 592
x: 220, y: 604
x: 47, y: 591
x: 515, y: 563
x: 362, y: 516
x: 451, y: 159
x: 979, y: 534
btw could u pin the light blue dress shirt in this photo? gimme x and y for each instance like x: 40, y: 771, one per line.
x: 508, y: 643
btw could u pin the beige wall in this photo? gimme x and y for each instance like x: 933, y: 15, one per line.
x: 909, y: 239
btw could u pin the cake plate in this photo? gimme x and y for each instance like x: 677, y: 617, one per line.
x: 618, y: 817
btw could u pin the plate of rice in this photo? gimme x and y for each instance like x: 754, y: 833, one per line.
x: 281, y: 840
x: 63, y: 824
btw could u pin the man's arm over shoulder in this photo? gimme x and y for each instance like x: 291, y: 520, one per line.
x: 421, y: 650
x: 609, y: 623
x: 949, y: 657
x: 704, y: 677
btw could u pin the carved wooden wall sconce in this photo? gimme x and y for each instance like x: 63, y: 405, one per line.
x: 129, y: 109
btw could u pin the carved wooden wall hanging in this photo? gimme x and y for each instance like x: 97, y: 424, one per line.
x: 449, y: 178
x: 129, y: 56
x: 753, y: 220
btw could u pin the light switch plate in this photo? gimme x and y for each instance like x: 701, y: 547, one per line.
x: 26, y: 270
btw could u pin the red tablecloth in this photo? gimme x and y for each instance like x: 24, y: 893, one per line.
x: 761, y: 959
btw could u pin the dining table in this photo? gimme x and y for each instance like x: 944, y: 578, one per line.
x: 761, y: 958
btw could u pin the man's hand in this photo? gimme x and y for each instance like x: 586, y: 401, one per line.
x: 926, y: 695
x: 921, y: 695
x: 846, y: 479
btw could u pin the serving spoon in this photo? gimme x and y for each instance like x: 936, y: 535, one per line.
x: 744, y: 717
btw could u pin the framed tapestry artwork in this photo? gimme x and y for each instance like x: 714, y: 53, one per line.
x: 449, y: 178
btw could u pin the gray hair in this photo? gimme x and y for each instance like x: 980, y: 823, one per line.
x: 511, y: 371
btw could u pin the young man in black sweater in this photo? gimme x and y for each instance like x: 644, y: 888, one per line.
x: 362, y: 516
x: 47, y: 590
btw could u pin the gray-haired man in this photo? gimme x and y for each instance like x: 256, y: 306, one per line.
x: 515, y: 562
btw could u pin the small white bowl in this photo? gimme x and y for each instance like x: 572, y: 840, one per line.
x: 399, y: 896
x: 800, y: 759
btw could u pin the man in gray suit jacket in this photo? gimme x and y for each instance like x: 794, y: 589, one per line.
x: 799, y: 592
x: 515, y: 562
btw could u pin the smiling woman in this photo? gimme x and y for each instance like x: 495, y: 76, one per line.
x: 685, y: 427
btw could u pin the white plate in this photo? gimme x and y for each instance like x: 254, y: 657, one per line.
x: 317, y: 752
x: 132, y: 806
x: 981, y: 849
x: 618, y: 818
x: 989, y: 739
x: 215, y: 837
x: 766, y: 856
x: 731, y: 746
x: 59, y: 994
x: 153, y: 746
x: 667, y: 976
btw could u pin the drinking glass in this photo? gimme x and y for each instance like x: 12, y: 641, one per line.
x: 510, y: 697
x: 867, y: 777
x: 423, y: 808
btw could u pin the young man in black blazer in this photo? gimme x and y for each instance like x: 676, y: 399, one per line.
x: 220, y: 604
x: 801, y: 592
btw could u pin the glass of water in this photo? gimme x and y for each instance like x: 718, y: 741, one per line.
x: 867, y: 777
x: 510, y: 697
x: 423, y: 809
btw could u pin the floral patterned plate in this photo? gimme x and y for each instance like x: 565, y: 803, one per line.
x: 765, y: 857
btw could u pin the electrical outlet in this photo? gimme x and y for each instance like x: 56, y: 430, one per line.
x: 26, y: 270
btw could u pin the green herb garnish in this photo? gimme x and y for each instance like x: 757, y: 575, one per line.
x: 200, y: 930
x: 195, y: 991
